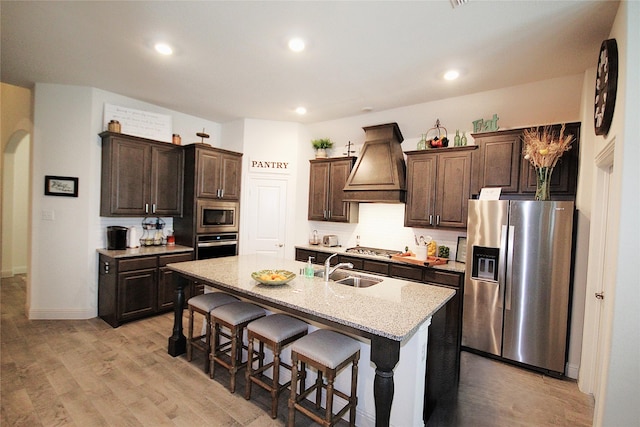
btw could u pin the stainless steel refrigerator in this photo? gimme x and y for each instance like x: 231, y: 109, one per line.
x: 517, y: 282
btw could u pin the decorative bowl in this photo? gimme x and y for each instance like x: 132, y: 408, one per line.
x: 273, y: 277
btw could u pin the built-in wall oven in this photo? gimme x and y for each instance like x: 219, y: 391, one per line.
x: 216, y: 245
x: 214, y: 217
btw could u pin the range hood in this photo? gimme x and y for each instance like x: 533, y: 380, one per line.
x: 379, y: 172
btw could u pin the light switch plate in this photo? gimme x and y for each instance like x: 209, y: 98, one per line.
x: 48, y: 215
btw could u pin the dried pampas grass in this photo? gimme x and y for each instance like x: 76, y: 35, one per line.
x: 542, y: 149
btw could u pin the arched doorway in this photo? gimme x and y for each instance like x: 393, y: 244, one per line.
x: 15, y: 204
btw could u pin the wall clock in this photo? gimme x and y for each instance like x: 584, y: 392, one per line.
x: 606, y: 86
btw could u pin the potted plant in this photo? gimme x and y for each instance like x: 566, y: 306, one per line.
x: 321, y: 145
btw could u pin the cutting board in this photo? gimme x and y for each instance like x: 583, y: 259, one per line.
x: 413, y: 260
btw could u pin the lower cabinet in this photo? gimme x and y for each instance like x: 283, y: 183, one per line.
x: 138, y: 287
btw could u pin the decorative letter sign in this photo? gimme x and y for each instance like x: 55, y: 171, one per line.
x: 482, y: 125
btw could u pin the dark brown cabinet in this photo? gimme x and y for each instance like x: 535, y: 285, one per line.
x: 217, y: 172
x: 499, y: 162
x: 326, y: 196
x: 140, y: 177
x: 438, y: 187
x: 137, y: 287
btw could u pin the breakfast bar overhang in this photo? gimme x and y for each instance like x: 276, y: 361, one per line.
x: 392, y: 314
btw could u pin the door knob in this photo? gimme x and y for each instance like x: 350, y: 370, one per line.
x: 599, y: 295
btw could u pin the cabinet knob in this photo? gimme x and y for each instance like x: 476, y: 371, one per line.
x: 153, y: 208
x: 437, y: 219
x: 146, y: 208
x: 430, y: 219
x: 599, y: 295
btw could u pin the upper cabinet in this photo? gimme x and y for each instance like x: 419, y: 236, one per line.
x: 326, y: 196
x: 217, y: 172
x: 499, y: 162
x: 140, y: 177
x: 438, y: 184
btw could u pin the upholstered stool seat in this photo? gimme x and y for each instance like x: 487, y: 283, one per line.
x: 234, y: 317
x: 203, y: 304
x: 329, y: 352
x: 276, y: 332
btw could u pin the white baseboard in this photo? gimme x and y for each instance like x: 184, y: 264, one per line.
x: 61, y: 314
x: 571, y: 371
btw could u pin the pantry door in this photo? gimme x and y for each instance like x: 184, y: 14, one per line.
x: 266, y: 216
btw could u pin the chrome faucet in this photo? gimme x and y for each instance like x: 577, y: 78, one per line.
x: 328, y: 270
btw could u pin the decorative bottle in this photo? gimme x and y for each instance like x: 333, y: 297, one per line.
x: 463, y: 140
x: 456, y: 139
x: 422, y: 144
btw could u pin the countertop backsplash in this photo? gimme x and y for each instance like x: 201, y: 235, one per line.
x: 381, y: 225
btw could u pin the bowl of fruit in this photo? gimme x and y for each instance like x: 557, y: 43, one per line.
x: 273, y: 277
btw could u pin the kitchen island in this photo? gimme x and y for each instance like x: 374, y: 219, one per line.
x: 390, y: 318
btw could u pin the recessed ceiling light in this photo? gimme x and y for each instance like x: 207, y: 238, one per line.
x: 296, y: 44
x: 451, y: 75
x: 301, y: 111
x: 163, y: 49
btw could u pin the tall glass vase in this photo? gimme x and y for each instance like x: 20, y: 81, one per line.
x: 543, y: 177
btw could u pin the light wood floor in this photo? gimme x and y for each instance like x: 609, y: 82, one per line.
x: 85, y: 373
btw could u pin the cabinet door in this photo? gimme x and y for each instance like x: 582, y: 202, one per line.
x: 230, y: 178
x: 499, y: 158
x: 339, y: 172
x: 421, y: 185
x: 452, y: 194
x: 167, y: 166
x: 167, y: 280
x: 126, y: 174
x: 136, y: 294
x: 318, y: 191
x: 208, y: 174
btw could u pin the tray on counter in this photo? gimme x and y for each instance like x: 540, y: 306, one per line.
x: 413, y: 260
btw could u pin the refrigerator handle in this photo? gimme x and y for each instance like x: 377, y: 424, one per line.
x: 509, y: 280
x: 502, y: 260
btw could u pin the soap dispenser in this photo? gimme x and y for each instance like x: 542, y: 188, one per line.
x: 308, y: 271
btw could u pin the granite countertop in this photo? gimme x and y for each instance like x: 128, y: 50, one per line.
x: 144, y: 250
x: 393, y: 308
x: 453, y: 266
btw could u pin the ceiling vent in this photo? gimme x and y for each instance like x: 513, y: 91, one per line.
x: 379, y: 172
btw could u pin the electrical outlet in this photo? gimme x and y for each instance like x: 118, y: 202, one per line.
x: 48, y: 215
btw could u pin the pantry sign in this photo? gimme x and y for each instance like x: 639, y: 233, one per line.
x: 269, y: 166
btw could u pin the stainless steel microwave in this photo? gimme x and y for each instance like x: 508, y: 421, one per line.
x: 217, y: 217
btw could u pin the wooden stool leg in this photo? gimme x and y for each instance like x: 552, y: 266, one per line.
x: 276, y: 384
x: 212, y: 353
x: 190, y: 335
x: 353, y: 400
x: 319, y: 389
x: 292, y: 396
x: 247, y: 374
x: 329, y: 409
x: 207, y: 340
x: 236, y: 353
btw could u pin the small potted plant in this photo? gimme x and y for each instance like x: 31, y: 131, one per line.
x: 321, y: 145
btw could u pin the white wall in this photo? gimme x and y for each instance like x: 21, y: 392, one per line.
x: 68, y: 119
x: 621, y: 381
x: 15, y: 205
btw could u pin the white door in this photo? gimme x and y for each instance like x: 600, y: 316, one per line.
x: 266, y: 216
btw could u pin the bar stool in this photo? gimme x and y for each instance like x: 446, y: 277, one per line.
x: 234, y: 317
x: 328, y: 352
x: 203, y: 304
x: 276, y: 332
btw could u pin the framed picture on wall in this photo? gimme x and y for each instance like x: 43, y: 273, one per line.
x: 461, y: 249
x: 60, y: 186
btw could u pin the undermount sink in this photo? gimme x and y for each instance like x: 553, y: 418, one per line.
x: 346, y: 277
